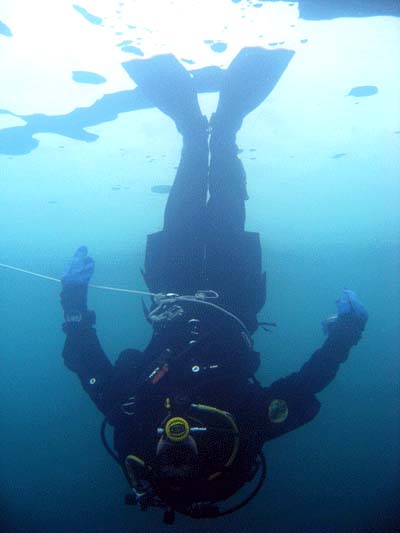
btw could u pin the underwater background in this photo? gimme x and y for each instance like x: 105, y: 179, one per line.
x: 78, y: 167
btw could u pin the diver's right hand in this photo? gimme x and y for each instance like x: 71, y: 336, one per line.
x: 75, y: 280
x: 79, y: 269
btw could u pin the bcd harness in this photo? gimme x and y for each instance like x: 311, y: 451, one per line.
x: 184, y: 420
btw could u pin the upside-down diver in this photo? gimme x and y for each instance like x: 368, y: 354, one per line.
x: 190, y: 419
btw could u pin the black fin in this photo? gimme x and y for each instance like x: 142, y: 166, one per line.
x: 169, y: 86
x: 250, y: 78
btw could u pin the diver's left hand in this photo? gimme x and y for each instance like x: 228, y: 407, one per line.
x: 351, y: 316
x: 349, y: 303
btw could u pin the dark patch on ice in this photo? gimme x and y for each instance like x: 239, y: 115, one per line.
x: 161, y: 189
x: 188, y: 61
x: 303, y: 41
x: 208, y: 41
x: 5, y: 30
x: 397, y: 132
x: 52, y: 202
x: 116, y: 188
x: 132, y: 50
x: 325, y: 10
x: 339, y: 155
x: 124, y: 43
x: 257, y: 5
x: 82, y: 76
x: 19, y: 140
x: 363, y: 90
x: 219, y: 47
x: 88, y: 16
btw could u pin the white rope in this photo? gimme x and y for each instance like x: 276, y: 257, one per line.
x: 161, y: 298
x: 101, y: 287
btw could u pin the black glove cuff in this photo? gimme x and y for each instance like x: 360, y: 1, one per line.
x: 76, y: 321
x: 348, y: 328
x: 74, y: 297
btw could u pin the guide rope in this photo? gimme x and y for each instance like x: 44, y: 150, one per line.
x: 102, y: 287
x: 202, y: 297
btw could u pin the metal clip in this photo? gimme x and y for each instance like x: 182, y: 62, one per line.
x: 194, y: 324
x: 128, y: 408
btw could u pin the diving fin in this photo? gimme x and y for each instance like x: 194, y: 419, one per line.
x: 170, y: 87
x: 249, y: 79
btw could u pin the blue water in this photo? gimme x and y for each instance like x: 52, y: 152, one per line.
x: 322, y: 160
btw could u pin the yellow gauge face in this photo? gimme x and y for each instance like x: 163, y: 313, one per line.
x: 278, y: 411
x: 177, y: 429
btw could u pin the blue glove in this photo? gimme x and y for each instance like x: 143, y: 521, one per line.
x: 79, y: 269
x: 349, y: 303
x: 75, y: 280
x: 350, y: 319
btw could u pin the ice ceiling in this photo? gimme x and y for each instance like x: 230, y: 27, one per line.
x: 58, y: 57
x: 334, y: 111
x: 52, y: 40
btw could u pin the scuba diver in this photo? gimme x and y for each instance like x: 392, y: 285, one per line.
x: 190, y: 419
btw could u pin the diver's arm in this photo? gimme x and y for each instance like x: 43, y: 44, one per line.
x: 82, y: 351
x: 291, y: 401
x: 344, y: 331
x: 84, y: 355
x: 320, y: 370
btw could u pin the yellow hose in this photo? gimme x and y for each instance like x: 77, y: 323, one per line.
x: 229, y: 418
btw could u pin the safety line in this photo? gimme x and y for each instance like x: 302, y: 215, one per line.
x: 101, y: 287
x: 162, y: 298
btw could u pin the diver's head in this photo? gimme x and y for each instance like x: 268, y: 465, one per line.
x: 177, y: 460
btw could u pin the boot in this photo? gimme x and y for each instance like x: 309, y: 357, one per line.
x: 169, y: 86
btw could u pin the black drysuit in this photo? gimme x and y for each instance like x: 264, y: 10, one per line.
x: 204, y: 246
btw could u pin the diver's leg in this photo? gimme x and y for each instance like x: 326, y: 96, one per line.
x: 169, y: 86
x: 186, y: 204
x: 174, y: 256
x: 250, y: 78
x: 184, y: 217
x: 234, y: 256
